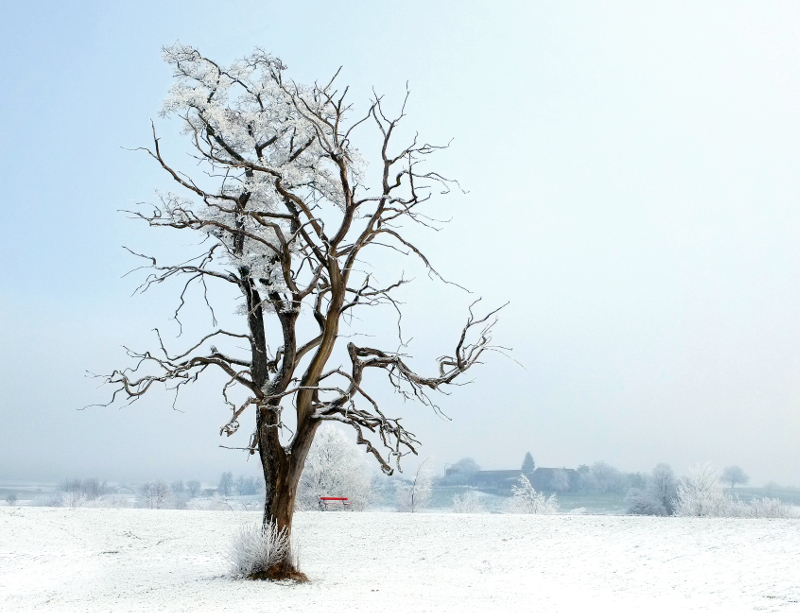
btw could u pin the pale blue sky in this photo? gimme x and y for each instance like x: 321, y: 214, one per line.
x: 633, y: 191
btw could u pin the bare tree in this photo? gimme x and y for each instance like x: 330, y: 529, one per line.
x: 415, y: 496
x: 528, y: 465
x: 246, y: 486
x: 226, y: 484
x: 193, y: 487
x: 289, y: 221
x: 734, y: 475
x: 155, y: 495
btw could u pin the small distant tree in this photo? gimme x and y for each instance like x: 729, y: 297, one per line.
x: 161, y: 493
x: 226, y: 484
x: 733, y: 475
x: 525, y: 499
x: 193, y: 487
x: 664, y: 487
x: 93, y: 488
x: 178, y: 487
x: 246, y: 486
x: 155, y: 495
x: 146, y: 498
x: 528, y: 465
x: 415, y: 496
x: 11, y: 499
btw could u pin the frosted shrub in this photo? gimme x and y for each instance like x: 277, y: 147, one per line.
x: 48, y: 500
x: 111, y: 501
x: 193, y: 488
x: 117, y: 501
x: 180, y: 501
x: 658, y: 495
x: 525, y: 499
x: 766, y: 507
x: 72, y: 500
x: 218, y: 503
x: 641, y: 502
x: 468, y: 502
x: 257, y: 549
x: 334, y: 467
x: 700, y: 494
x: 215, y: 503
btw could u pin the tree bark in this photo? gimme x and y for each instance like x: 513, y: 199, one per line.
x: 282, y: 473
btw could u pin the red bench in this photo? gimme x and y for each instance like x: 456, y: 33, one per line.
x: 326, y: 502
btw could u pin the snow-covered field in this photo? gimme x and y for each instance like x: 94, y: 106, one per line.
x: 141, y: 560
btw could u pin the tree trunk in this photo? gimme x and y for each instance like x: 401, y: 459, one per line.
x: 282, y: 472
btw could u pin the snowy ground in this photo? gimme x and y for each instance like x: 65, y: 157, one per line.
x: 142, y: 560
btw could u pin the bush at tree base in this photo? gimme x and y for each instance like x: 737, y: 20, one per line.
x: 256, y: 549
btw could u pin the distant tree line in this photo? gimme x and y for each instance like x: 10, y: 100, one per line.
x: 599, y: 478
x: 659, y: 492
x: 91, y: 489
x: 241, y: 486
x: 156, y: 494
